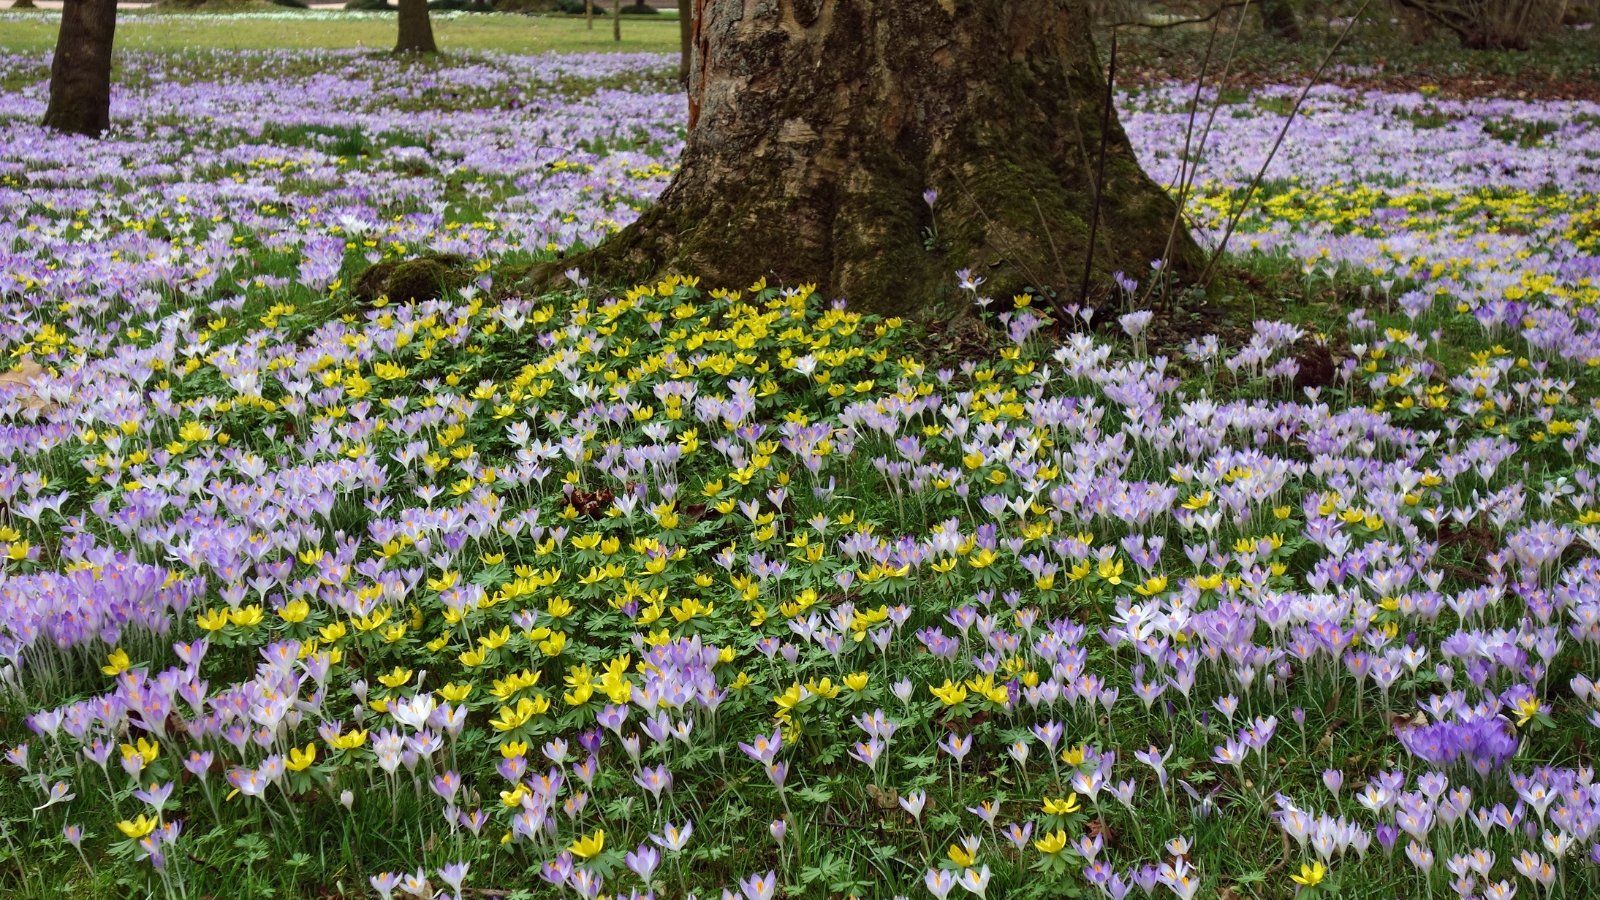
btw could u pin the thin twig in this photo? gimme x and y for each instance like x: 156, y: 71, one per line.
x: 1255, y: 182
x: 1188, y: 137
x: 993, y: 232
x: 1191, y: 172
x: 1083, y: 147
x: 1100, y: 168
x: 1056, y: 302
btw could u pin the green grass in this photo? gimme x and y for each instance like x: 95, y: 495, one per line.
x: 464, y: 33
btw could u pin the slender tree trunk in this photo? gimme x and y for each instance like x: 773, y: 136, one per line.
x: 616, y: 20
x: 816, y: 126
x: 416, y: 28
x: 80, y: 75
x: 685, y: 39
x: 1495, y: 25
x: 588, y: 13
x: 1278, y: 20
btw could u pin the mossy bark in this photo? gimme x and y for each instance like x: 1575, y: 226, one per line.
x: 816, y: 126
x: 80, y: 73
x: 412, y: 280
x: 416, y: 28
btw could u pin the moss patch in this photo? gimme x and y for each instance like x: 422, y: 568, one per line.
x: 411, y: 280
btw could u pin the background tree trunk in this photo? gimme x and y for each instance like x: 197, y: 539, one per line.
x: 616, y: 20
x: 416, y: 29
x: 80, y: 74
x: 817, y: 125
x: 1492, y: 24
x: 1278, y: 19
x: 588, y: 13
x: 685, y: 38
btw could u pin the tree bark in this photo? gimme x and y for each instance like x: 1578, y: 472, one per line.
x: 416, y: 28
x: 1278, y: 20
x: 588, y: 13
x: 616, y: 20
x: 80, y: 74
x: 815, y: 126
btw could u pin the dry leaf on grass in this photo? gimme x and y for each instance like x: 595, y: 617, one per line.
x: 20, y: 381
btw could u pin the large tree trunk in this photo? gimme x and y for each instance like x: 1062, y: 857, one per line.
x: 817, y: 125
x: 1278, y: 20
x: 416, y: 29
x: 80, y: 75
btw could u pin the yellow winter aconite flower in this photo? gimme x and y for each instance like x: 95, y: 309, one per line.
x: 455, y: 693
x: 193, y: 432
x: 525, y: 710
x: 243, y: 617
x: 1052, y: 842
x: 134, y: 829
x: 144, y: 750
x: 116, y: 663
x: 949, y: 694
x: 553, y: 645
x: 349, y: 740
x: 1110, y: 570
x: 1527, y: 708
x: 301, y: 758
x: 1056, y: 806
x: 1153, y: 585
x: 1311, y: 874
x: 586, y: 847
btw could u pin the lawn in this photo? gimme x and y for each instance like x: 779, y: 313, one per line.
x: 337, y: 561
x: 300, y: 30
